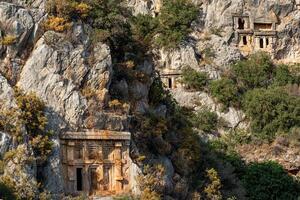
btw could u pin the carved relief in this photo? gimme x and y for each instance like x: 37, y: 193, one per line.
x: 96, y: 164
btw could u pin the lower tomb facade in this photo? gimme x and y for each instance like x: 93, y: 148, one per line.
x: 96, y: 162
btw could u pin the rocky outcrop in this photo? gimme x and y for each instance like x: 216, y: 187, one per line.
x: 6, y: 95
x: 280, y: 151
x: 73, y: 76
x: 196, y: 100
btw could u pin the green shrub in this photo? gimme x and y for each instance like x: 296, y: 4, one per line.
x: 269, y: 180
x: 30, y: 113
x: 6, y: 192
x: 144, y: 29
x: 158, y: 94
x: 271, y: 111
x: 206, y: 120
x: 170, y: 27
x: 153, y: 125
x: 175, y: 20
x: 193, y: 79
x: 254, y: 72
x: 110, y: 15
x: 225, y: 91
x: 283, y: 76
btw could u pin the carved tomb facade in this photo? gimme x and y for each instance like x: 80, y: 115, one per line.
x: 96, y: 162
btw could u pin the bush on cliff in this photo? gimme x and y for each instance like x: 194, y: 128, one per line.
x: 269, y: 180
x: 193, y: 79
x: 170, y: 27
x: 206, y: 120
x: 225, y: 91
x: 254, y: 72
x: 271, y: 111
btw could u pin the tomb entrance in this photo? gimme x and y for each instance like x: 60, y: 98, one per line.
x: 241, y: 24
x: 171, y: 80
x: 96, y: 162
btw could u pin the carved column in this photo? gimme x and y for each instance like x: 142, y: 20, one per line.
x: 70, y: 167
x: 86, y: 179
x: 118, y: 166
x: 126, y: 166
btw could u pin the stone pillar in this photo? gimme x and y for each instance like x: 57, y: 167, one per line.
x: 100, y: 153
x: 70, y: 167
x: 126, y: 167
x: 118, y: 166
x: 84, y: 151
x: 173, y: 83
x: 86, y: 179
x: 265, y: 42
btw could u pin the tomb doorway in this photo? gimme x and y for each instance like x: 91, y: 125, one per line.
x: 241, y: 24
x: 79, y: 179
x: 261, y: 43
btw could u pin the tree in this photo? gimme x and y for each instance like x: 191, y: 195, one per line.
x: 193, y: 79
x: 253, y: 72
x: 271, y: 111
x: 225, y: 91
x: 175, y: 21
x: 268, y: 180
x: 206, y: 120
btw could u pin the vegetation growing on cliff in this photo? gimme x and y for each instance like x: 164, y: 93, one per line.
x: 26, y: 124
x: 193, y: 79
x: 262, y: 90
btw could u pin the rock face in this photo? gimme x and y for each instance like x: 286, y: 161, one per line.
x: 214, y: 45
x: 234, y: 118
x: 280, y: 151
x: 74, y: 77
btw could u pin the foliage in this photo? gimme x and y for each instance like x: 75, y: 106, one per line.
x: 169, y: 28
x: 193, y: 79
x: 175, y: 20
x: 7, y: 191
x: 30, y: 113
x: 283, y: 76
x: 144, y: 29
x: 9, y: 122
x: 212, y: 190
x: 150, y: 182
x: 110, y: 16
x: 82, y: 9
x: 57, y: 24
x: 123, y: 197
x: 153, y: 125
x: 294, y: 137
x: 118, y: 106
x: 147, y: 194
x: 271, y: 111
x: 206, y: 120
x: 208, y: 54
x: 158, y: 94
x: 225, y: 91
x: 253, y: 72
x: 68, y: 9
x: 269, y: 180
x: 8, y: 40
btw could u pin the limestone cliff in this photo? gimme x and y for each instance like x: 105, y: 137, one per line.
x: 78, y: 80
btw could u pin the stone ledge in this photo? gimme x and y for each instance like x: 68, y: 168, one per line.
x: 96, y: 135
x: 265, y: 33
